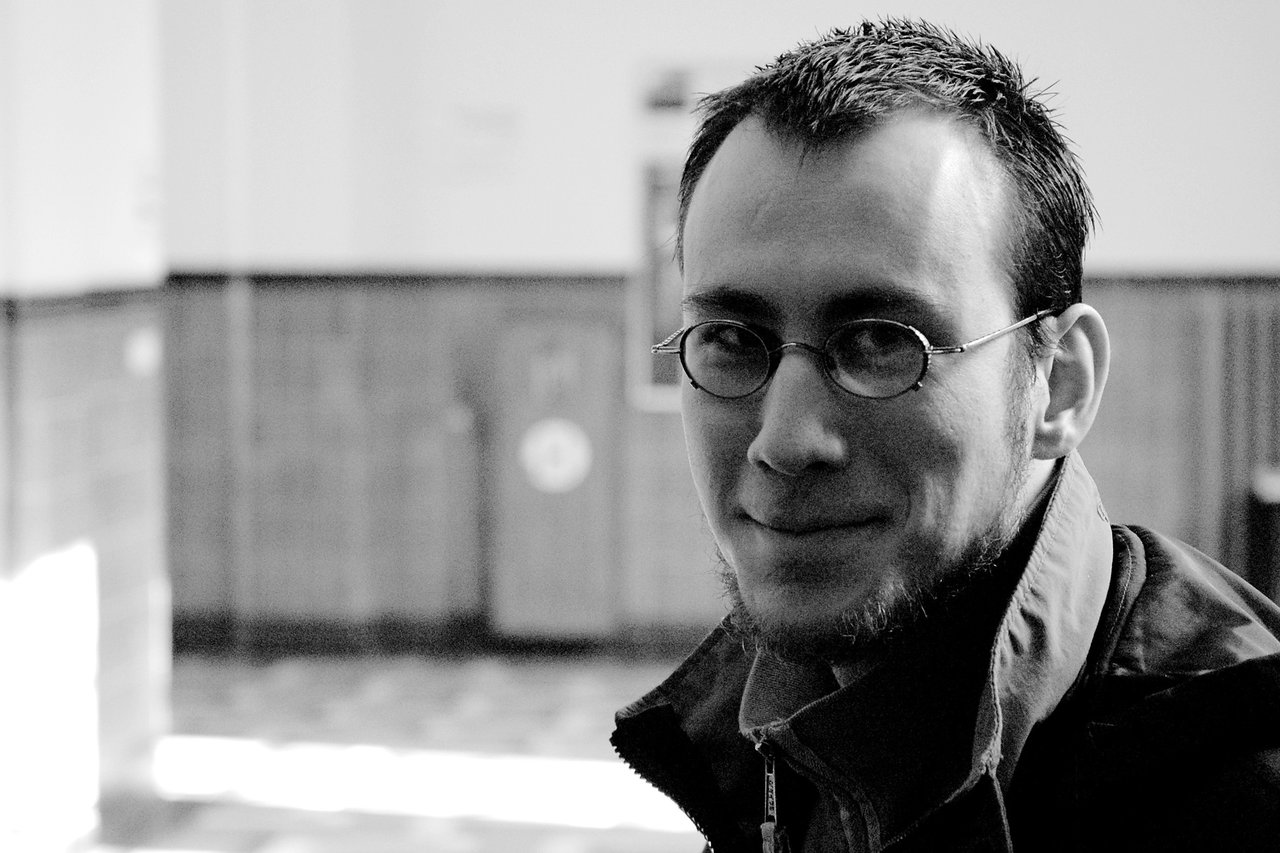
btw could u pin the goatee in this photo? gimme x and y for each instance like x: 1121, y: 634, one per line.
x: 893, y: 613
x: 935, y: 586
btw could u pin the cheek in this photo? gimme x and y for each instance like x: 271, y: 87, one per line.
x: 945, y: 452
x: 716, y: 439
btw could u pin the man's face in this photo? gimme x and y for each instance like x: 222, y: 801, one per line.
x: 829, y: 508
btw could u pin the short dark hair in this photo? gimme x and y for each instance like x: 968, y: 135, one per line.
x: 846, y: 82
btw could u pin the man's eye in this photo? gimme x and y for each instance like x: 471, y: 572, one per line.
x: 874, y: 344
x: 729, y: 340
x: 864, y: 342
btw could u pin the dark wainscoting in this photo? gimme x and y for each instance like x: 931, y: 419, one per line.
x: 353, y: 452
x: 346, y: 454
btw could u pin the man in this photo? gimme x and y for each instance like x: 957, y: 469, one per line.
x: 937, y: 639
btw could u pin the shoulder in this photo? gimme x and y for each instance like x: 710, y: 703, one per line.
x: 1180, y: 708
x: 1180, y: 612
x: 1137, y: 763
x: 1185, y: 765
x: 1193, y: 664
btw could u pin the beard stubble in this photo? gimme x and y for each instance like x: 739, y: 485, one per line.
x: 934, y: 587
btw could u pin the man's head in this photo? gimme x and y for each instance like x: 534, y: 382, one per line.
x: 840, y: 87
x: 809, y: 204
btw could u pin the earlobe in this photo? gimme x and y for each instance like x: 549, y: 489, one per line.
x: 1075, y: 370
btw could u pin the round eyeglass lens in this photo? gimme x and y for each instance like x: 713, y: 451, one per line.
x: 876, y: 358
x: 725, y: 359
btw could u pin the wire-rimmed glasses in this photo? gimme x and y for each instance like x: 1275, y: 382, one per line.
x: 878, y: 359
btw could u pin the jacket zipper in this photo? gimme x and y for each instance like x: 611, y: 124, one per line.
x: 773, y: 836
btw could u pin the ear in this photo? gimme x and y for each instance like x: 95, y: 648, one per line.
x: 1074, y: 369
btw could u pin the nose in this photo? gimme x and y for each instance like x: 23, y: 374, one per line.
x: 801, y: 418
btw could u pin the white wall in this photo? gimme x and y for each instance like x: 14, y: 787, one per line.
x: 79, y: 146
x: 502, y: 135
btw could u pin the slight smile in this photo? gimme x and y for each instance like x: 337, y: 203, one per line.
x: 802, y: 528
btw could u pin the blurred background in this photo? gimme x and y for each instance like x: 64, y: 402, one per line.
x: 340, y: 501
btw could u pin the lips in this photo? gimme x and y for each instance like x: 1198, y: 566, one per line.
x: 807, y: 524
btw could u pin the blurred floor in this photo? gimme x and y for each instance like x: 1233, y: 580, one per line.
x: 372, y: 754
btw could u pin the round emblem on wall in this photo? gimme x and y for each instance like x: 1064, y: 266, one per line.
x: 556, y: 455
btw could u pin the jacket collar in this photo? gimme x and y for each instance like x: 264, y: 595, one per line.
x: 897, y: 743
x: 1043, y: 641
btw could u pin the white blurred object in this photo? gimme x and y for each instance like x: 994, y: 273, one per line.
x: 579, y: 793
x: 49, y: 718
x: 1266, y: 484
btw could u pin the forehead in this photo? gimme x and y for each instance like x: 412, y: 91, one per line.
x: 913, y: 211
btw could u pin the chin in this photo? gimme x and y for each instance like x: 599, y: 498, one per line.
x: 803, y: 608
x: 814, y: 620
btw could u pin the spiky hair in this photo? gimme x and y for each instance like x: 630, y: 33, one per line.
x: 843, y: 84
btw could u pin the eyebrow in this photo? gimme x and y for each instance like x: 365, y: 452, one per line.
x: 727, y: 300
x: 879, y: 300
x: 868, y: 301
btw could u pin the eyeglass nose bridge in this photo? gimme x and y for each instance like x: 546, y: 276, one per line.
x: 825, y: 359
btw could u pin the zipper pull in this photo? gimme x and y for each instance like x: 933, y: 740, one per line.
x: 773, y: 837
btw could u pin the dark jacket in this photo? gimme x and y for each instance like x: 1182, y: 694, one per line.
x: 1130, y: 701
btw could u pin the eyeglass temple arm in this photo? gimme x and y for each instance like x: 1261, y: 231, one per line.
x: 665, y: 344
x: 1039, y: 315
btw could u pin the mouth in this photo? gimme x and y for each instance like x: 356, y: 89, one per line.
x: 800, y: 526
x: 804, y: 551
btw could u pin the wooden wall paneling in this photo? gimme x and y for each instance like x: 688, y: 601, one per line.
x: 198, y: 406
x: 241, y: 545
x: 1150, y: 448
x: 1126, y: 430
x: 423, y: 489
x: 1203, y: 347
x: 404, y: 576
x: 670, y: 578
x: 354, y: 507
x: 469, y: 318
x: 1262, y: 552
x: 555, y: 537
x: 1265, y: 373
x: 1238, y: 406
x: 305, y: 425
x: 327, y: 449
x: 323, y: 469
x: 284, y: 483
x: 1263, y: 562
x: 1191, y: 408
x: 1253, y: 331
